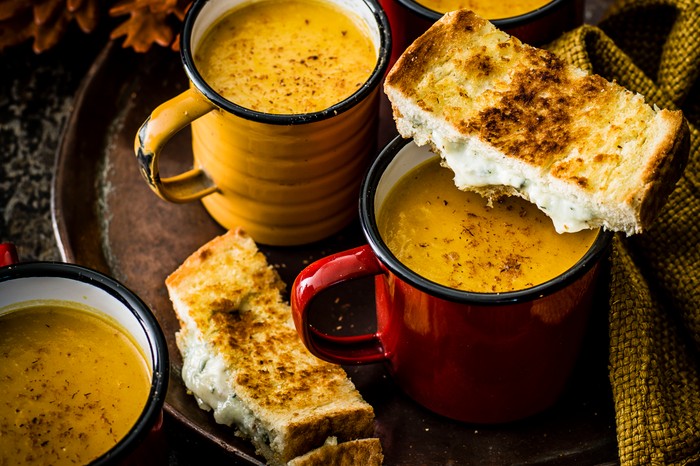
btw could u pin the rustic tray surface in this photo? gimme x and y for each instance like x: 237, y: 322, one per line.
x: 106, y: 218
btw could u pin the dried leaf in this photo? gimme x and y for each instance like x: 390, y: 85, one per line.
x: 150, y: 21
x: 44, y: 20
x: 75, y: 5
x: 176, y: 43
x: 16, y: 31
x: 47, y: 11
x: 11, y: 8
x: 143, y: 29
x: 48, y: 34
x: 124, y: 7
x: 181, y: 10
x: 87, y: 16
x: 164, y: 6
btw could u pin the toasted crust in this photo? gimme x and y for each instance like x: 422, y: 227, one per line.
x: 228, y: 300
x: 365, y: 452
x: 582, y: 138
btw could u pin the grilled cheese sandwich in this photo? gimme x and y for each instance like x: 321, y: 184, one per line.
x: 512, y: 119
x: 243, y: 360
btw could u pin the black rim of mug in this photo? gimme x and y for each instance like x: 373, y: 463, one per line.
x: 501, y: 23
x: 369, y: 227
x: 156, y: 340
x: 384, y: 54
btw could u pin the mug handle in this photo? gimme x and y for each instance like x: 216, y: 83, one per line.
x: 8, y: 254
x: 323, y: 274
x: 163, y: 123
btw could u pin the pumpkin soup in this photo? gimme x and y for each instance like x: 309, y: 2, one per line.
x: 486, y: 8
x: 454, y: 238
x: 286, y: 56
x: 73, y: 384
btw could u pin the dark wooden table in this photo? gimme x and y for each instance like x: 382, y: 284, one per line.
x: 36, y: 101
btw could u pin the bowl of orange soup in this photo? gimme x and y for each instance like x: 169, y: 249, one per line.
x: 535, y: 22
x: 480, y: 309
x: 83, y: 368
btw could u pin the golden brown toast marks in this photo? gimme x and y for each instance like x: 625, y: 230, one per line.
x: 243, y: 358
x: 509, y: 118
x: 361, y: 452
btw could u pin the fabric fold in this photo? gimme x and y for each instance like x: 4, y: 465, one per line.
x: 653, y: 47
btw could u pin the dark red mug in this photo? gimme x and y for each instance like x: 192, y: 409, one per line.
x: 409, y: 19
x: 474, y: 357
x: 21, y: 282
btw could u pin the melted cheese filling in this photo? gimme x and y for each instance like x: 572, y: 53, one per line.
x: 206, y: 376
x: 478, y: 165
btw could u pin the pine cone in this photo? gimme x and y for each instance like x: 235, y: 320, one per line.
x: 150, y: 21
x: 44, y: 20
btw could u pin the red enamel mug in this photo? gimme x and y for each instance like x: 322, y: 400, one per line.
x: 409, y: 19
x: 473, y: 357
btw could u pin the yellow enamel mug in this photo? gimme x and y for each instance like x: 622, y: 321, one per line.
x: 287, y: 179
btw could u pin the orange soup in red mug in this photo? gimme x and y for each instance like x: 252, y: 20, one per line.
x: 464, y: 241
x: 482, y: 357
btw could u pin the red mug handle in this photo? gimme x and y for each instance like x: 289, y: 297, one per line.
x: 320, y: 275
x: 8, y: 254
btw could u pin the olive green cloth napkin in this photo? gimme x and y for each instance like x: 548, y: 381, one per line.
x: 653, y: 47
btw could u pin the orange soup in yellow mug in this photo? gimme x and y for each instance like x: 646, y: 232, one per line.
x: 283, y: 105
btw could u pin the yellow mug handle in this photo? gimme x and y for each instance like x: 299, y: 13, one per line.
x: 165, y: 121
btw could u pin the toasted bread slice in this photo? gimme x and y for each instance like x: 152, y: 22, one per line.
x: 243, y: 359
x: 361, y: 452
x: 511, y: 119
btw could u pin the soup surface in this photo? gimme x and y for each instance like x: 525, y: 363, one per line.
x: 286, y: 56
x: 486, y: 8
x: 72, y: 384
x: 453, y: 238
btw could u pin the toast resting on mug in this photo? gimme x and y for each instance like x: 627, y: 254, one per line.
x: 511, y: 119
x: 243, y: 359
